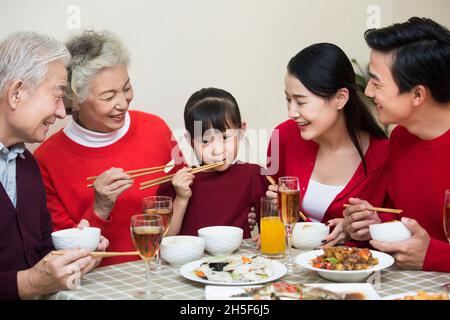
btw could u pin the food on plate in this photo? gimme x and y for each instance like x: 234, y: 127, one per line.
x: 423, y: 295
x: 285, y: 290
x: 344, y: 258
x: 235, y: 269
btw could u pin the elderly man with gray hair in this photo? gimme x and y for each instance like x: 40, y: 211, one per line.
x: 33, y: 79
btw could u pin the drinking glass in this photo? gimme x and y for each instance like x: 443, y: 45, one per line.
x: 146, y: 233
x: 289, y: 207
x: 159, y: 206
x: 273, y: 235
x: 447, y: 214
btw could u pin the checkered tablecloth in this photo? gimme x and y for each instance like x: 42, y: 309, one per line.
x: 121, y: 281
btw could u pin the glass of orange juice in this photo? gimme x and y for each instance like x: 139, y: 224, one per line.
x: 273, y: 234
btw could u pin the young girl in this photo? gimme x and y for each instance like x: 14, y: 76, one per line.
x: 225, y: 194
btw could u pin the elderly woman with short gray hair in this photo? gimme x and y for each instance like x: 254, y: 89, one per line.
x: 33, y: 78
x: 103, y: 137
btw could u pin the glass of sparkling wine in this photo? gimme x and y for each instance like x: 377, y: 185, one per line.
x: 289, y: 207
x: 159, y: 206
x: 447, y: 214
x: 147, y: 232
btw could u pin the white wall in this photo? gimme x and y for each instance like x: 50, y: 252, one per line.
x: 243, y: 46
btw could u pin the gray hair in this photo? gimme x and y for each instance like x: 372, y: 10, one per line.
x: 25, y: 56
x: 91, y: 52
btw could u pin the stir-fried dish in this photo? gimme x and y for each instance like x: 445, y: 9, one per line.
x: 423, y: 295
x: 345, y: 258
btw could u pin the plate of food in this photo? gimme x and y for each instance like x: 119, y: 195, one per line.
x: 418, y: 295
x: 344, y: 264
x: 293, y: 291
x: 233, y: 270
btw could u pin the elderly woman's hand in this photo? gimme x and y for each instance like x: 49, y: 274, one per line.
x: 108, y: 187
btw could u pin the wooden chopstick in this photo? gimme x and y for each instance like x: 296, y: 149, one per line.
x: 301, y: 214
x: 155, y: 182
x: 139, y: 170
x: 388, y: 210
x: 137, y: 174
x: 99, y: 254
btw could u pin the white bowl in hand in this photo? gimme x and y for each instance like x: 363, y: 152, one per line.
x: 87, y: 238
x: 394, y: 231
x: 221, y: 240
x: 309, y: 235
x: 179, y: 250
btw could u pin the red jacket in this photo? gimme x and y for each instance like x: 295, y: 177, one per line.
x: 65, y: 165
x: 419, y: 174
x: 297, y: 158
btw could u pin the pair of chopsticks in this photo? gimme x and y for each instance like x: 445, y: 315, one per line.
x: 301, y: 214
x: 388, y: 210
x: 137, y: 173
x: 158, y: 181
x: 99, y: 254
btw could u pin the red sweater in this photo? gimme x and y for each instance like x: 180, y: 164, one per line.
x: 222, y: 198
x: 419, y: 173
x: 65, y: 165
x: 297, y: 158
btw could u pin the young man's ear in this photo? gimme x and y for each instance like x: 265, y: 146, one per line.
x: 342, y: 96
x: 419, y: 94
x: 15, y: 93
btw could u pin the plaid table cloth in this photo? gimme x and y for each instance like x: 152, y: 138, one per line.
x: 121, y: 281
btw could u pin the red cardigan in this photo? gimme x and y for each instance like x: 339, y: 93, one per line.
x: 296, y: 157
x: 419, y: 174
x: 65, y: 165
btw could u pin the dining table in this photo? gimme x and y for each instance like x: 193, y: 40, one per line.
x: 121, y: 281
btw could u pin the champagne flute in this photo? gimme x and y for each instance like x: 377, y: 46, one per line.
x: 447, y: 214
x: 159, y: 206
x: 147, y: 232
x: 289, y: 207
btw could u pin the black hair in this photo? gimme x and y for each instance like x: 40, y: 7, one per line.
x: 323, y: 68
x: 421, y: 54
x: 214, y: 108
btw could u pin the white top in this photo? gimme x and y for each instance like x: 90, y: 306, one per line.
x: 318, y: 198
x: 93, y: 139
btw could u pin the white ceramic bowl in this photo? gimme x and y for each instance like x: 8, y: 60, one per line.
x: 221, y: 240
x: 179, y: 250
x: 309, y: 235
x: 87, y: 238
x: 389, y: 232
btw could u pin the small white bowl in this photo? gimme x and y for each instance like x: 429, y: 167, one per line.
x: 179, y: 250
x: 309, y: 235
x: 389, y: 232
x: 87, y: 238
x: 221, y: 240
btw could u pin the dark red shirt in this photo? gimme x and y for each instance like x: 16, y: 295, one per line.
x: 222, y: 198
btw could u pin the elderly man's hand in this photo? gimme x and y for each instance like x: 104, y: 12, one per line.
x: 54, y: 273
x: 357, y: 219
x: 102, y: 246
x: 408, y: 254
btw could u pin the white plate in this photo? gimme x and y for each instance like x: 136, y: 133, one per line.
x: 188, y: 269
x: 384, y: 261
x: 404, y: 294
x: 225, y: 293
